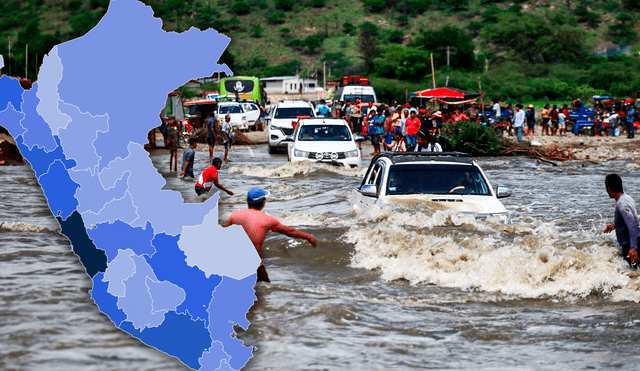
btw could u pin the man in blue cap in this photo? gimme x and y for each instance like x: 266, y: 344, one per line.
x: 257, y: 225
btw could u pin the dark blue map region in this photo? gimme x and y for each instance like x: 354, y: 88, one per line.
x: 10, y: 91
x: 229, y: 300
x: 121, y: 236
x: 107, y: 303
x: 169, y: 264
x: 178, y: 335
x: 93, y: 259
x: 60, y: 190
x: 40, y: 160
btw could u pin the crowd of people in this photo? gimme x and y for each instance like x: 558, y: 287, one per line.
x: 392, y: 127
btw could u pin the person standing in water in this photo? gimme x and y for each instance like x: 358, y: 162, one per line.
x: 257, y: 225
x: 625, y: 221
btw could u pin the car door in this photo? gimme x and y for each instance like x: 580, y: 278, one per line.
x: 375, y: 176
x: 252, y: 111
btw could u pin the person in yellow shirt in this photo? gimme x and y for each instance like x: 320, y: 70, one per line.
x: 546, y: 117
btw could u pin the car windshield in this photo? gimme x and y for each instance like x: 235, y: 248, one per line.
x: 365, y: 98
x: 250, y: 107
x: 436, y: 179
x: 230, y: 109
x: 293, y: 112
x: 334, y: 133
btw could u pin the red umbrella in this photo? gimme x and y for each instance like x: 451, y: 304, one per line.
x: 440, y: 93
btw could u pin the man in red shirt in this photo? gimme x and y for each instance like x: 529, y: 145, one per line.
x: 412, y: 125
x: 209, y: 178
x: 257, y: 225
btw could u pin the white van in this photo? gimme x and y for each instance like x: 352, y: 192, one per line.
x: 351, y: 92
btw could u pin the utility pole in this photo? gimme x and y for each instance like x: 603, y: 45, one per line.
x: 26, y: 62
x: 433, y: 72
x: 324, y: 75
x: 448, y: 56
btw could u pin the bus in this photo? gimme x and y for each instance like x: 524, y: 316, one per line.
x: 248, y: 88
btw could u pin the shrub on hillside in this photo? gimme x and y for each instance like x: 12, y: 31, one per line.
x: 256, y: 30
x: 375, y: 6
x: 285, y: 5
x: 277, y: 17
x: 240, y: 8
x: 396, y: 37
x: 348, y: 28
x: 318, y: 3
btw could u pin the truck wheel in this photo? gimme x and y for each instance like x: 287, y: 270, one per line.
x: 272, y: 149
x: 588, y: 131
x: 570, y: 126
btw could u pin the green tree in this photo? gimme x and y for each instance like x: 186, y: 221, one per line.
x: 396, y: 37
x: 285, y: 5
x: 313, y: 43
x: 336, y: 62
x: 622, y: 31
x: 240, y: 8
x: 460, y: 46
x: 377, y: 6
x: 277, y: 17
x: 348, y: 28
x: 404, y: 63
x: 256, y: 30
x: 318, y: 3
x: 368, y: 44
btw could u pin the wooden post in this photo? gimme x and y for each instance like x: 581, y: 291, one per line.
x: 433, y: 72
x: 9, y: 56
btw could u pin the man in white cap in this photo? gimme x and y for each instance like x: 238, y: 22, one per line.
x: 257, y: 225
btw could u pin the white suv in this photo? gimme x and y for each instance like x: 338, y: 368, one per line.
x: 237, y: 113
x: 451, y: 179
x: 324, y: 140
x: 283, y: 116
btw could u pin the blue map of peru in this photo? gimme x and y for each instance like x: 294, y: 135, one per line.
x: 163, y: 271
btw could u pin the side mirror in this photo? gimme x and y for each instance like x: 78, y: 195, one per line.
x: 369, y: 190
x: 503, y: 191
x: 288, y: 139
x: 359, y: 138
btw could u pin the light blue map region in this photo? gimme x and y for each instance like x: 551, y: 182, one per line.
x: 178, y: 284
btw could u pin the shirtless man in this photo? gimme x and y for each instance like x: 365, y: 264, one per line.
x: 257, y: 225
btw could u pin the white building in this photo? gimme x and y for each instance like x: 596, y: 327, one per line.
x: 289, y: 85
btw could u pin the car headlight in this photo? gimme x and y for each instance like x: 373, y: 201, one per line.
x: 353, y: 153
x: 272, y: 127
x: 299, y: 153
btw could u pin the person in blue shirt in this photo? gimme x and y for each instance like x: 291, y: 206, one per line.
x: 631, y: 113
x: 625, y: 221
x: 323, y: 109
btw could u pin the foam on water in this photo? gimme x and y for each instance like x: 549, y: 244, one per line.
x: 529, y: 259
x: 22, y: 227
x: 292, y: 169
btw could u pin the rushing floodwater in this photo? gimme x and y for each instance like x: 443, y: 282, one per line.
x: 401, y: 290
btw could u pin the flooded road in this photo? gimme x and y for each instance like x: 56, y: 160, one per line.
x: 385, y: 290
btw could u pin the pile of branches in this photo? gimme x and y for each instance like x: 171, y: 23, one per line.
x: 547, y: 153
